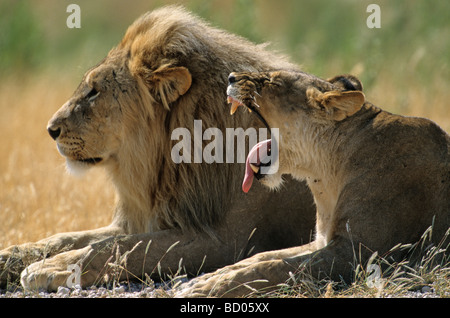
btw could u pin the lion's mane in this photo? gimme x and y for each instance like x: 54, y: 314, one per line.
x: 178, y: 195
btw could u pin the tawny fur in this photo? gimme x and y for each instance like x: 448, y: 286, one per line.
x: 378, y: 180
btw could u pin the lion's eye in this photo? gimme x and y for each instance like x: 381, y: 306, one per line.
x: 93, y: 94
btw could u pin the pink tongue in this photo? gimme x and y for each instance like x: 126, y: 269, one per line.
x: 253, y: 157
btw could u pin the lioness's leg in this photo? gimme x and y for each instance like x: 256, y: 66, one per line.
x: 15, y: 258
x: 132, y: 256
x: 264, y: 273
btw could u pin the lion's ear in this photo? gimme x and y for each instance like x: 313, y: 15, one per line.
x: 337, y: 105
x: 167, y: 83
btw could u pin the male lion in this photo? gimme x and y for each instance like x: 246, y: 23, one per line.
x: 378, y: 179
x: 170, y: 69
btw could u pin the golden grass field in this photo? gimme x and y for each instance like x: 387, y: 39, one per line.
x: 38, y: 198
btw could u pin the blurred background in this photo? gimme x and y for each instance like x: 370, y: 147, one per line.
x: 404, y: 66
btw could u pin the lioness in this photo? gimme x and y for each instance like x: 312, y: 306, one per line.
x: 170, y: 69
x: 378, y: 179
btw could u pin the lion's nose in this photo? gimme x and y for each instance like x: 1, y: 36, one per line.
x: 54, y: 132
x: 231, y: 78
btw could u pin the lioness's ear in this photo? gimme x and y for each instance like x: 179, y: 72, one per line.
x: 337, y: 105
x: 346, y: 82
x: 167, y: 83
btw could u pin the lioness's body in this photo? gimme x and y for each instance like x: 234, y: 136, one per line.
x: 378, y: 179
x: 169, y: 70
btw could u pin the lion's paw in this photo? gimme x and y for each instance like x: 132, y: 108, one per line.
x: 61, y: 270
x: 40, y: 275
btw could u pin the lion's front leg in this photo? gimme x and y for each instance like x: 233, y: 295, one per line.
x: 87, y: 266
x: 64, y: 269
x: 130, y: 256
x: 14, y: 259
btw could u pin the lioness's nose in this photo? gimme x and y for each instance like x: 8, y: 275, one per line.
x: 231, y: 78
x: 54, y: 132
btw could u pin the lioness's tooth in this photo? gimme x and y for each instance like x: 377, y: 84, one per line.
x: 234, y: 107
x: 254, y: 168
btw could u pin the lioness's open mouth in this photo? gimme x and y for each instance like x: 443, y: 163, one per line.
x: 258, y: 155
x: 255, y: 160
x: 251, y: 108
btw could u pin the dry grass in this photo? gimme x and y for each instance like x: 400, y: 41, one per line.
x: 410, y: 97
x: 424, y: 272
x: 37, y: 197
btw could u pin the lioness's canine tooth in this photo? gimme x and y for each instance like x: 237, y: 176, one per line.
x: 234, y: 104
x: 254, y: 168
x: 234, y: 107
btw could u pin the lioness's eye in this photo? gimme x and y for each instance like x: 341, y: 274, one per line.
x: 93, y: 94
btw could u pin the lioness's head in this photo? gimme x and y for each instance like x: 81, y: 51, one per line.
x: 296, y: 103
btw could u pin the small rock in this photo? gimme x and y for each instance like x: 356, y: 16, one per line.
x: 119, y: 290
x: 63, y: 290
x: 426, y: 289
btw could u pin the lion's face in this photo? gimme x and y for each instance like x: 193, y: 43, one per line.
x: 88, y: 128
x: 113, y: 103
